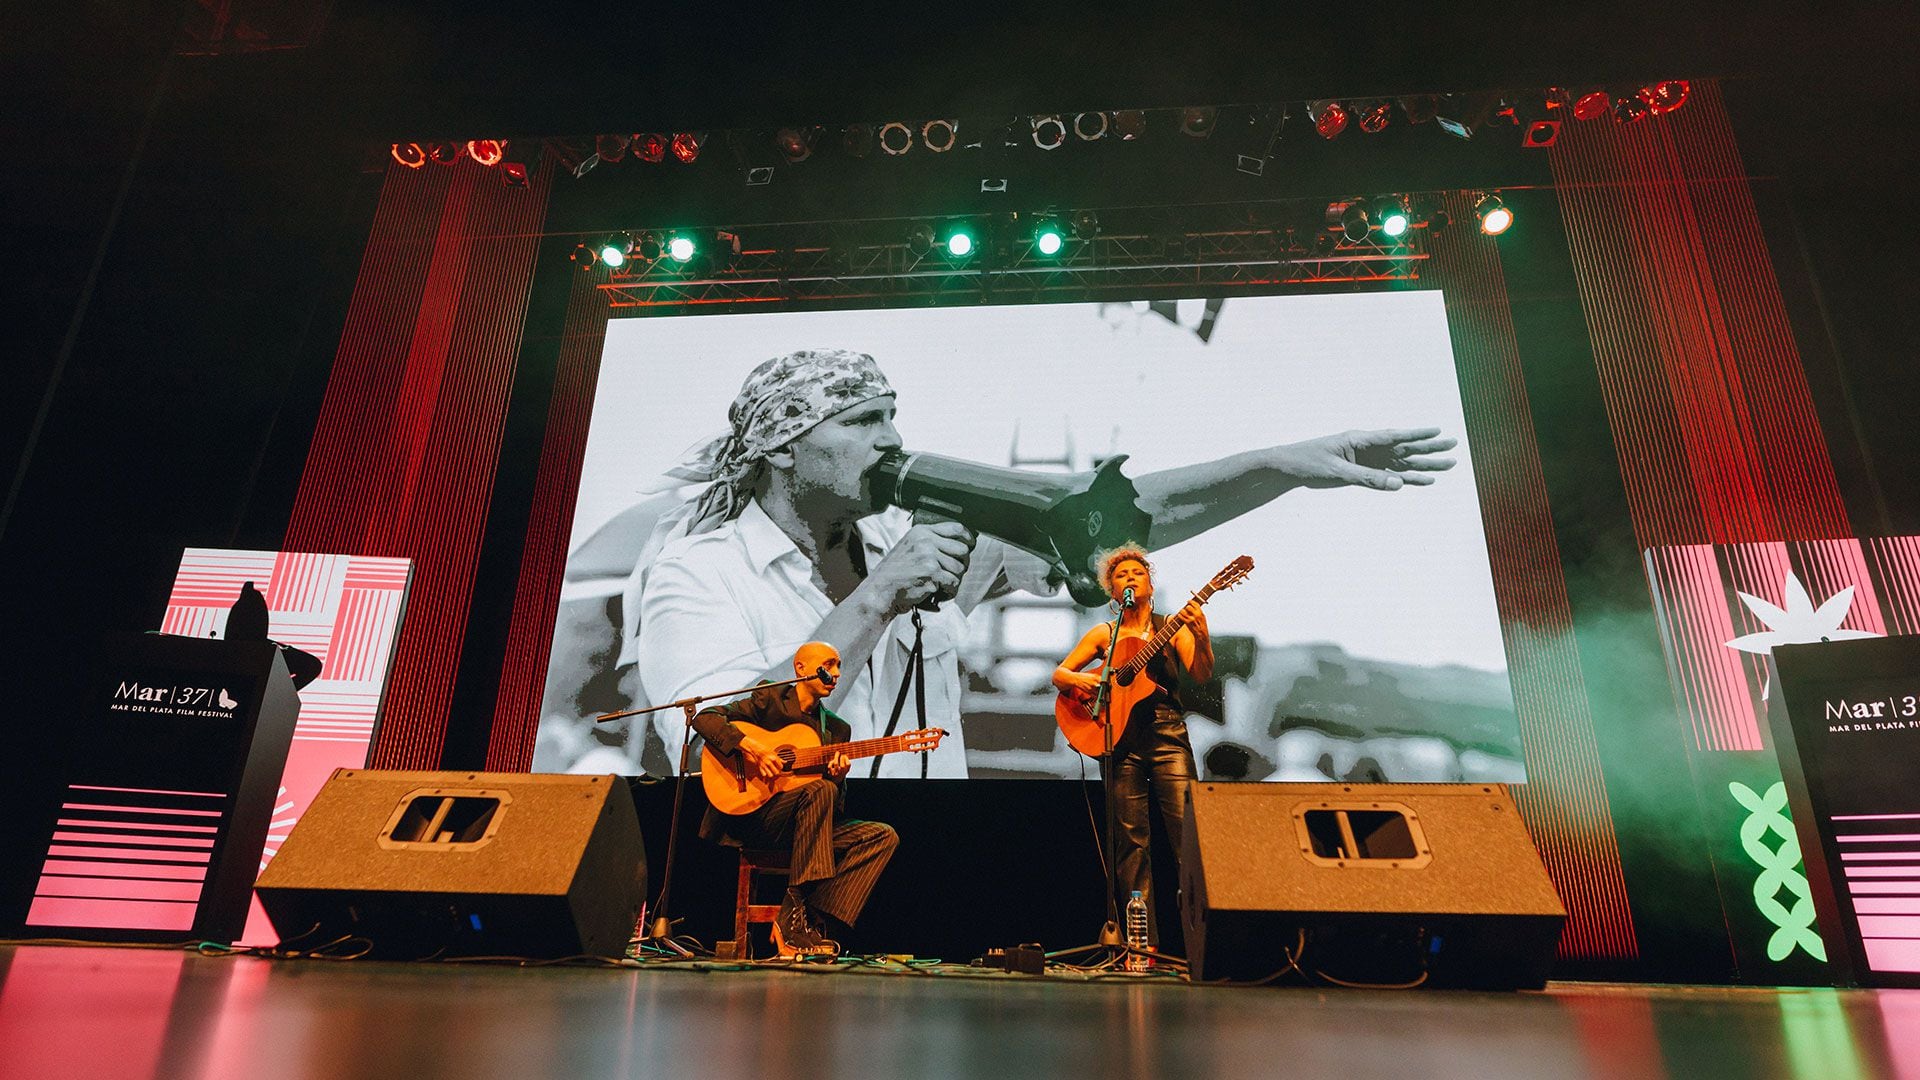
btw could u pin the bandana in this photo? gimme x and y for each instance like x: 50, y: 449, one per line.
x: 781, y: 400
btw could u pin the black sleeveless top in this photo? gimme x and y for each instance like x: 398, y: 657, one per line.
x: 1167, y: 672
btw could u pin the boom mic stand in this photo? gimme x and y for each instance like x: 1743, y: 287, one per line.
x: 660, y: 927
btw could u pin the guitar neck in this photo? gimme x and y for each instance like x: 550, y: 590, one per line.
x: 863, y: 748
x: 1167, y: 630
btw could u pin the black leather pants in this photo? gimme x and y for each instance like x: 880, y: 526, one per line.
x: 1152, y: 764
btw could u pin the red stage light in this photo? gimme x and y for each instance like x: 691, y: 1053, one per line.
x: 1374, y: 118
x: 1629, y: 108
x: 1329, y: 117
x: 796, y: 144
x: 1129, y: 124
x: 686, y: 146
x: 409, y: 154
x: 1666, y: 96
x: 1592, y: 105
x: 445, y: 153
x: 1198, y: 120
x: 488, y: 152
x: 939, y: 136
x: 610, y: 148
x: 1540, y: 134
x: 514, y: 174
x: 650, y: 148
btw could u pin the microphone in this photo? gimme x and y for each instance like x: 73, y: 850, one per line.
x: 824, y: 676
x: 1126, y: 598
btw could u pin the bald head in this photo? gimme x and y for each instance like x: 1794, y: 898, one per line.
x: 810, y: 659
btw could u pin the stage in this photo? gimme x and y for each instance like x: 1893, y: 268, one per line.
x: 135, y: 1012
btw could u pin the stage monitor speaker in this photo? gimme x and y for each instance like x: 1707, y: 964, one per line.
x: 1380, y: 884
x: 462, y: 864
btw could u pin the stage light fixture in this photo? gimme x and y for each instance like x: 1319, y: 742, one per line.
x: 1540, y: 134
x: 647, y: 247
x: 686, y: 145
x: 1494, y: 216
x: 513, y: 174
x: 1420, y: 108
x: 1665, y: 96
x: 1198, y: 120
x: 1629, y: 108
x: 959, y: 242
x: 681, y: 248
x: 1375, y: 116
x: 1392, y: 216
x: 1329, y: 117
x: 584, y: 256
x: 488, y: 152
x: 896, y: 138
x: 795, y: 143
x: 1592, y: 105
x: 1049, y: 132
x: 610, y: 148
x: 856, y: 140
x: 1049, y: 238
x: 920, y: 238
x: 651, y: 147
x: 445, y: 153
x: 1086, y: 224
x: 939, y: 136
x: 1350, y: 217
x: 1129, y: 124
x: 759, y: 175
x: 1088, y: 126
x: 410, y: 154
x: 614, y: 251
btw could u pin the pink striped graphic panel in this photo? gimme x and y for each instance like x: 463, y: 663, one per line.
x: 118, y: 861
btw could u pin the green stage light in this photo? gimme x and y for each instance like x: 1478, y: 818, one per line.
x: 1494, y: 216
x: 1395, y: 223
x: 1048, y: 239
x: 959, y: 243
x: 680, y: 249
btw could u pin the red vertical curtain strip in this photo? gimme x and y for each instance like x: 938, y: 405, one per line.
x: 403, y: 457
x: 1564, y: 801
x: 1712, y: 420
x: 516, y: 715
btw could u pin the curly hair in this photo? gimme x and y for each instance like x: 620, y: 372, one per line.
x: 1114, y: 557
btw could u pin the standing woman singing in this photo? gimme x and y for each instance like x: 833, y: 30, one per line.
x: 1152, y: 757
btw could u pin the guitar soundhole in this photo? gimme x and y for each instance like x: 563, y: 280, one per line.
x: 786, y: 757
x: 1125, y: 678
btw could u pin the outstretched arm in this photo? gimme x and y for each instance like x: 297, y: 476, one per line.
x: 1068, y: 678
x: 1189, y: 500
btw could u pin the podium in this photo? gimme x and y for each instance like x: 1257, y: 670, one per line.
x: 1849, y: 746
x: 168, y: 795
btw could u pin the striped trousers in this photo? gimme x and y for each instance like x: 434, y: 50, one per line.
x: 840, y: 859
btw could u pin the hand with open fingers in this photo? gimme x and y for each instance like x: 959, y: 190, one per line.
x: 1384, y: 459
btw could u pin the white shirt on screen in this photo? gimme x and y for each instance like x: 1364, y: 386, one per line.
x: 721, y: 608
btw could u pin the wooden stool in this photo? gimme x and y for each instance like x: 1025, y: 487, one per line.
x: 746, y: 913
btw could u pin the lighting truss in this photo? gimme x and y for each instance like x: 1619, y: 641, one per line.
x: 1112, y: 265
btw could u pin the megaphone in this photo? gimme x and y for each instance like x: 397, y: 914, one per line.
x: 1064, y: 518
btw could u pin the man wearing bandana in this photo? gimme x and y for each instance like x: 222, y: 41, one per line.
x: 782, y: 546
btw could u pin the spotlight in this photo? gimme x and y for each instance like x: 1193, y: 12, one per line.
x: 1494, y: 216
x: 939, y: 136
x: 1460, y: 115
x: 1666, y: 96
x: 895, y: 138
x: 615, y: 250
x: 680, y: 249
x: 648, y: 248
x: 856, y: 140
x: 1329, y: 117
x: 610, y: 148
x: 1592, y: 105
x: 759, y: 176
x: 1629, y: 108
x: 1350, y: 218
x: 409, y: 154
x: 1375, y: 115
x: 584, y: 256
x: 513, y: 174
x: 959, y: 242
x: 686, y: 146
x: 1048, y: 238
x: 488, y: 152
x: 1540, y: 134
x: 1129, y: 124
x: 445, y: 153
x: 795, y: 143
x: 1088, y: 126
x: 920, y: 238
x: 651, y: 147
x: 1086, y: 225
x: 1198, y: 120
x: 1392, y: 215
x: 1049, y: 132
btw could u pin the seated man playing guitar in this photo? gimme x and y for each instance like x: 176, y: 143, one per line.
x: 1152, y: 748
x: 835, y: 860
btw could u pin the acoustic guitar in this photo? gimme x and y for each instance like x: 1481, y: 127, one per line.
x: 733, y: 788
x: 1130, y: 684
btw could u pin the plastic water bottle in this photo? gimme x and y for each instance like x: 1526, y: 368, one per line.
x: 1137, y: 933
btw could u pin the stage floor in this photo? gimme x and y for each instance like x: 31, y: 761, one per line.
x: 84, y: 1012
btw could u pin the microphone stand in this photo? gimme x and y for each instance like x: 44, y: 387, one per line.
x: 1110, y: 935
x: 660, y: 927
